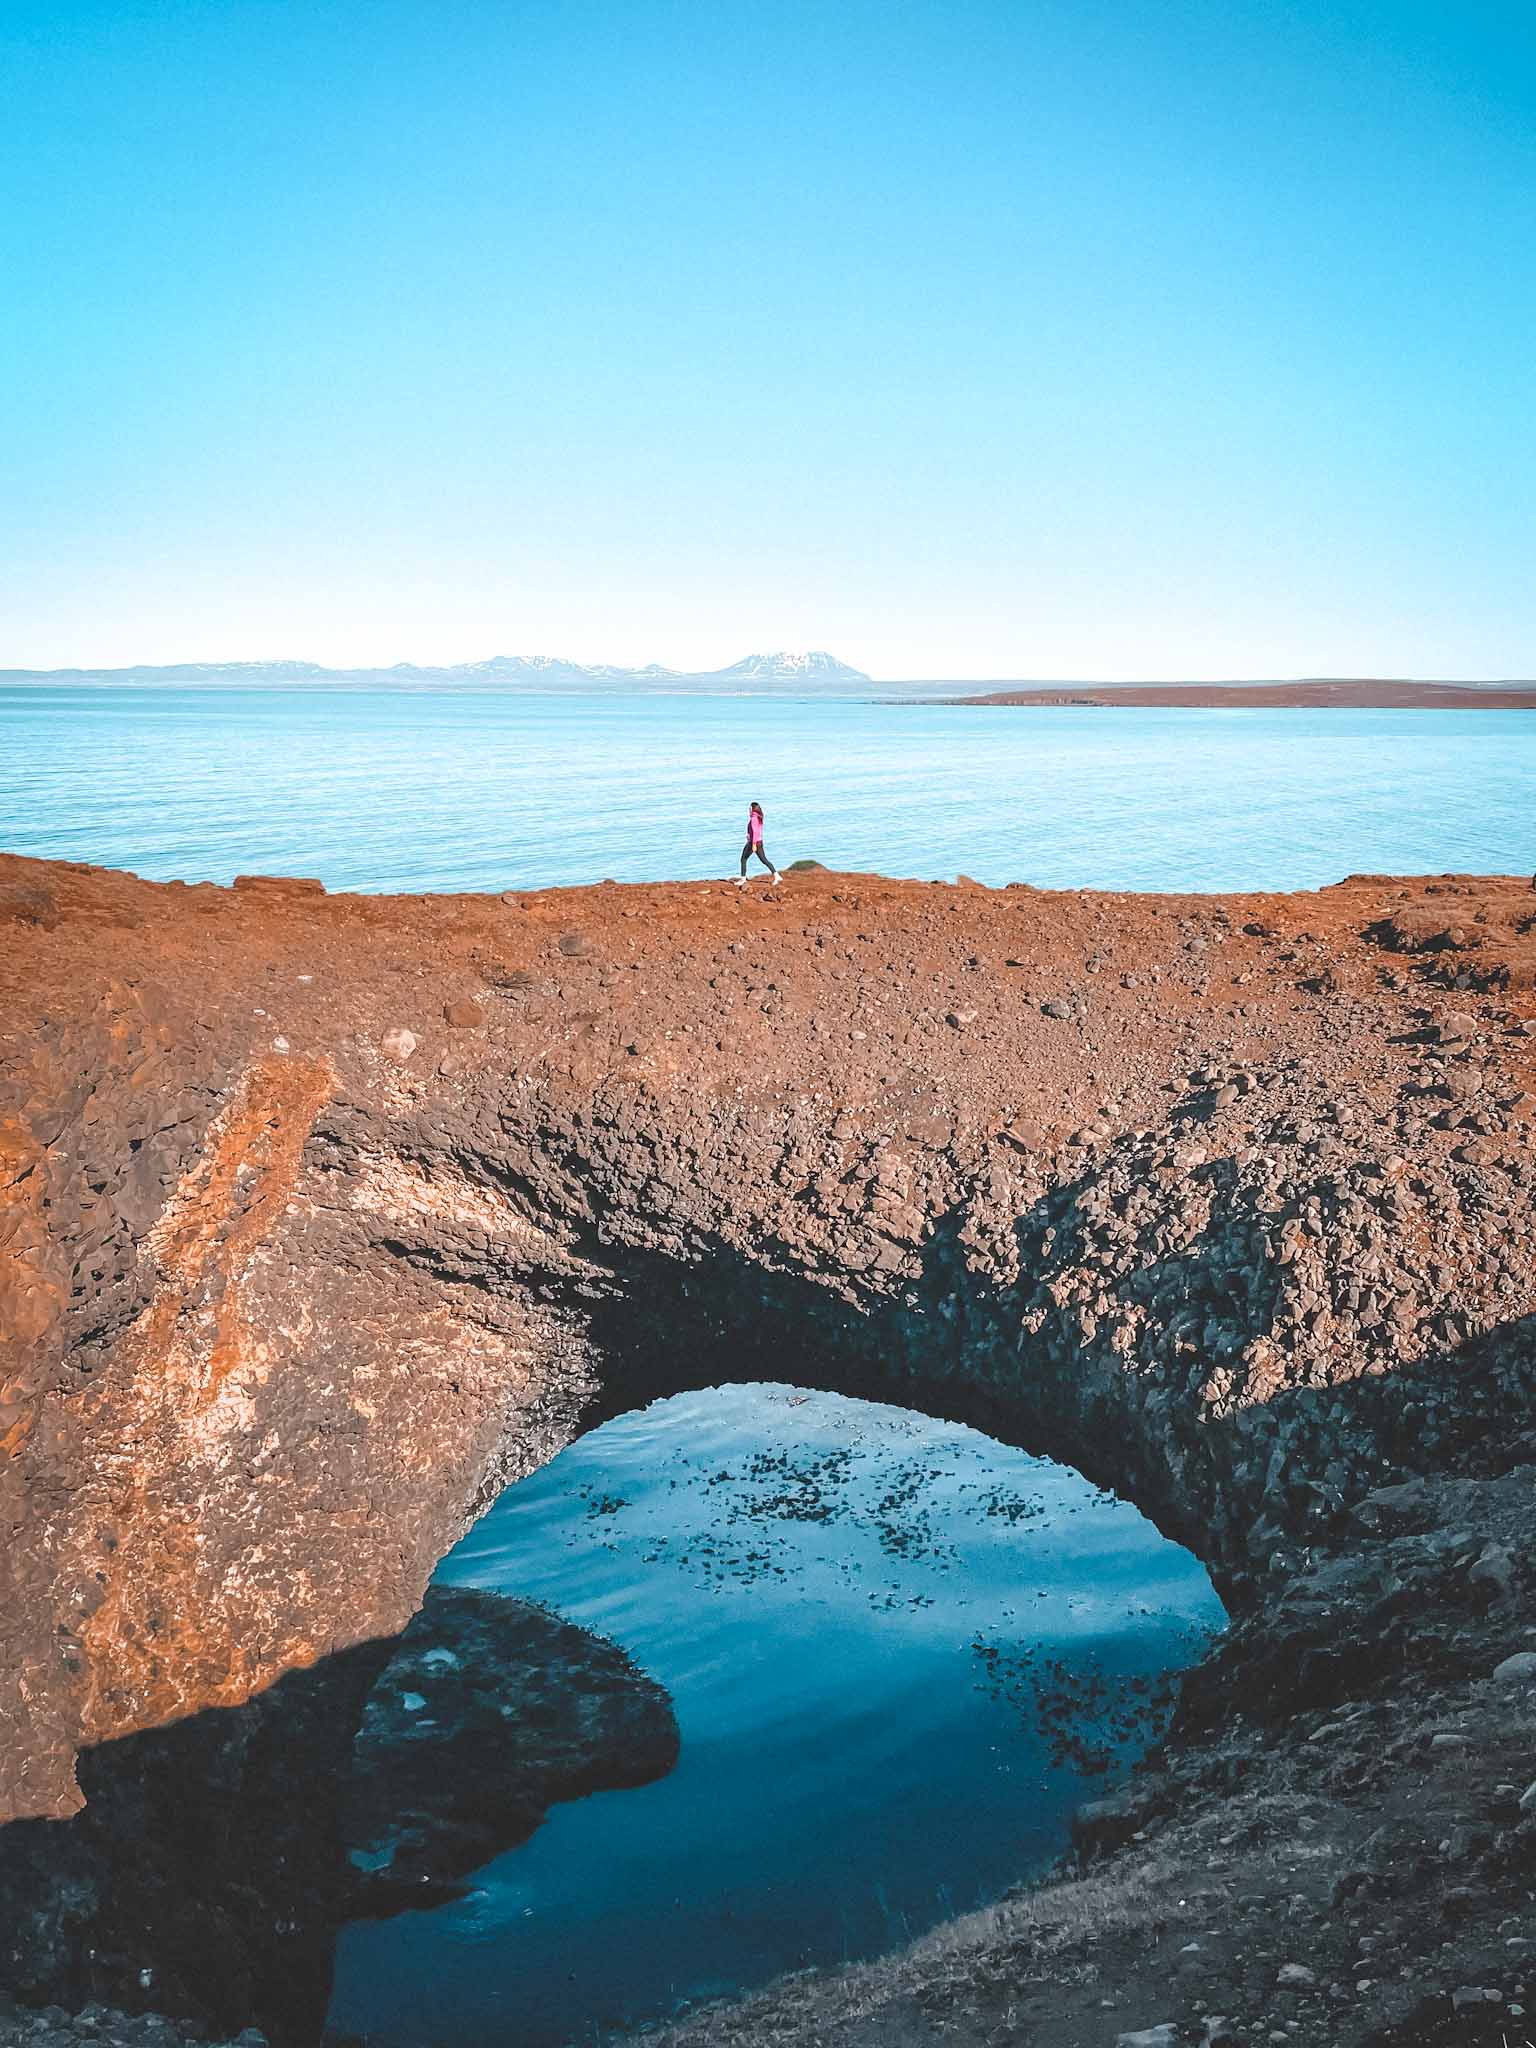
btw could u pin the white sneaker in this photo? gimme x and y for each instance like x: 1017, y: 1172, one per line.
x: 741, y: 881
x: 777, y: 877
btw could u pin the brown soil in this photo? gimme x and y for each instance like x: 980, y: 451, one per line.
x: 1322, y: 694
x: 325, y: 1217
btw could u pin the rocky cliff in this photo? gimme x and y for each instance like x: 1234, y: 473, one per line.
x: 216, y: 1859
x: 327, y: 1216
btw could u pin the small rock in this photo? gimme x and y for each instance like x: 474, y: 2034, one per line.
x: 1295, y: 1977
x: 464, y: 1015
x: 1520, y: 1667
x: 1162, y: 2036
x: 1478, y: 1152
x: 1056, y: 1007
x: 960, y: 1018
x: 289, y: 885
x: 575, y: 945
x: 398, y: 1044
x: 279, y: 1044
x: 1527, y: 1801
x: 1495, y: 1570
x: 1466, y: 1995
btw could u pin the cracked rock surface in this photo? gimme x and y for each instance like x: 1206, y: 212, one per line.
x: 324, y: 1217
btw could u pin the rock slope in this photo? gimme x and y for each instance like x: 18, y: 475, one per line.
x: 325, y: 1217
x: 216, y: 1859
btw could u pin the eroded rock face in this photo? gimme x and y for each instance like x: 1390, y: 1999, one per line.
x: 216, y: 1859
x: 1223, y: 1200
x: 488, y: 1712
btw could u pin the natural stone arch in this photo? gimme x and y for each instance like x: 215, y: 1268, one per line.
x: 295, y: 1306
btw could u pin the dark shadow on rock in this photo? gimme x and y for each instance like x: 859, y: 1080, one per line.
x: 1135, y: 1364
x: 216, y: 1859
x: 489, y: 1712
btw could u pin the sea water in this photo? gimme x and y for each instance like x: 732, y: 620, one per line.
x: 899, y: 1654
x: 447, y: 789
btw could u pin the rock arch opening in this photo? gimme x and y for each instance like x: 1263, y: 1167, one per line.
x: 899, y: 1653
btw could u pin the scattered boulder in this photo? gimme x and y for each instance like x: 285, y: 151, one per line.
x: 398, y: 1043
x: 1467, y: 1996
x: 1102, y: 1825
x: 280, y: 885
x: 1494, y: 1572
x: 1420, y: 928
x: 464, y: 1015
x: 1395, y: 1510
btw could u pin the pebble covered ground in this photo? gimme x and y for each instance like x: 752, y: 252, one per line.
x: 324, y: 1217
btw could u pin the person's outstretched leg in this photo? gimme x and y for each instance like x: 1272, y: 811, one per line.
x: 762, y: 854
x: 746, y: 855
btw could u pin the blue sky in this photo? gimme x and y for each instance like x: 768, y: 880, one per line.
x: 1177, y: 338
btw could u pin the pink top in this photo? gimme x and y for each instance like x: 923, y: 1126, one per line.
x: 754, y: 829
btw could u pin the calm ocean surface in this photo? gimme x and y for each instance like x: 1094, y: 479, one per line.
x: 473, y: 789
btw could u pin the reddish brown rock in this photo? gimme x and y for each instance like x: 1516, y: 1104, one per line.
x: 277, y: 1325
x: 279, y: 885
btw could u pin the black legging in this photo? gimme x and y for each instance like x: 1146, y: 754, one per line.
x: 755, y: 846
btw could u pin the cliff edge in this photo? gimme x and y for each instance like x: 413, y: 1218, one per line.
x: 324, y: 1217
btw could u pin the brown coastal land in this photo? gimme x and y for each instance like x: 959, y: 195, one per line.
x: 326, y: 1217
x: 1309, y: 693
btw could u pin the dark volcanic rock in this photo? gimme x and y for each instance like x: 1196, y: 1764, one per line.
x: 487, y: 1713
x: 215, y: 1860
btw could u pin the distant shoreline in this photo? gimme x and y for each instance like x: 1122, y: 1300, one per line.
x: 1363, y: 694
x: 1306, y: 693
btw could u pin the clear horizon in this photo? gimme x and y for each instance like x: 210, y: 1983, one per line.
x: 950, y: 675
x: 981, y: 342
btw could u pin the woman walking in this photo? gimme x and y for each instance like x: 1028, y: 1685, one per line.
x: 755, y: 845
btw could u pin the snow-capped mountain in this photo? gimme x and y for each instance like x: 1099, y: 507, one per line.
x: 533, y: 671
x: 814, y: 667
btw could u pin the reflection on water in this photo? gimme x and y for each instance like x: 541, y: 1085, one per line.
x: 898, y: 1654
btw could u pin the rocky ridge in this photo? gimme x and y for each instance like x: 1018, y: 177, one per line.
x: 326, y: 1216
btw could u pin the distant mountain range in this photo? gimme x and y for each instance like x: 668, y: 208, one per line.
x: 540, y: 671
